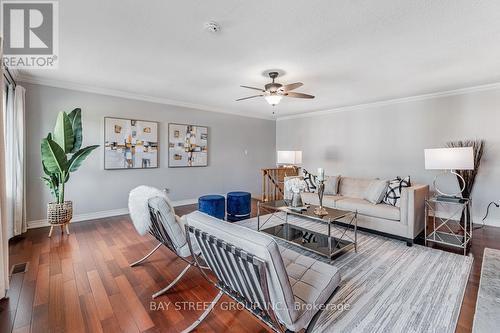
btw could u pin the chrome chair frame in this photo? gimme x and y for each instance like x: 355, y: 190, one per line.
x: 157, y: 230
x: 249, y: 289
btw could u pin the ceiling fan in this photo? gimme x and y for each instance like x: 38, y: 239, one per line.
x: 273, y: 92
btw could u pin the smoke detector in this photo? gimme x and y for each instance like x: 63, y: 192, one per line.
x: 212, y: 26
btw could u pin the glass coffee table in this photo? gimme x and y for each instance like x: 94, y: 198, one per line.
x: 326, y: 235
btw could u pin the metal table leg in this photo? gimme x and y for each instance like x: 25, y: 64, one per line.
x: 426, y: 217
x: 356, y: 232
x: 330, y: 237
x: 258, y: 216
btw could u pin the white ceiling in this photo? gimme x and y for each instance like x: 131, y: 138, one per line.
x: 346, y: 52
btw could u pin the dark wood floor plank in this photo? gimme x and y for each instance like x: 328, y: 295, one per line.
x: 101, y: 299
x: 42, y: 285
x: 72, y: 310
x: 111, y: 325
x: 107, y: 278
x: 34, y: 262
x: 24, y: 329
x: 6, y: 317
x: 16, y: 283
x: 123, y: 315
x: 55, y: 261
x: 135, y: 307
x: 89, y: 313
x: 118, y: 257
x: 67, y: 269
x: 25, y: 304
x: 81, y: 278
x: 56, y: 303
x: 40, y: 318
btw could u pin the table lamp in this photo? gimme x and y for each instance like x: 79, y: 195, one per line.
x: 289, y: 158
x: 449, y: 159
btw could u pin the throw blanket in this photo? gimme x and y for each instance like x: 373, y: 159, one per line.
x: 139, y: 209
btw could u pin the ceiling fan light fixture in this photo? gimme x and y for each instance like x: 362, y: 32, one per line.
x: 273, y: 99
x: 273, y: 92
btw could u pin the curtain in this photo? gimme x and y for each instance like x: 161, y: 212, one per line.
x: 14, y: 169
x: 4, y: 245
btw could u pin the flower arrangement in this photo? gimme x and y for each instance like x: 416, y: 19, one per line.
x: 295, y: 185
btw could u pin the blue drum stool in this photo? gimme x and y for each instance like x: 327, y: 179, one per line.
x: 213, y: 205
x: 238, y: 206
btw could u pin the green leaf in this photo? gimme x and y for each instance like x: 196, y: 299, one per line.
x: 77, y: 159
x: 52, y: 185
x: 53, y: 157
x: 67, y: 177
x: 45, y: 170
x: 75, y: 118
x: 49, y: 183
x: 63, y: 132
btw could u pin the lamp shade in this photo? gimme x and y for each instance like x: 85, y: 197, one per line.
x: 289, y: 157
x: 449, y: 158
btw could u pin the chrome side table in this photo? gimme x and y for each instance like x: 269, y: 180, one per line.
x: 442, y: 232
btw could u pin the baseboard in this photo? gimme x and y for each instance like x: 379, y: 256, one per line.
x: 489, y: 221
x: 102, y: 214
x: 184, y: 202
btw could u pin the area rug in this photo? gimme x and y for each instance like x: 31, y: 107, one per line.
x: 390, y: 287
x: 487, y: 316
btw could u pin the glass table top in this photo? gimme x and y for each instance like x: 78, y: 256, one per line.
x: 333, y: 214
x: 316, y: 242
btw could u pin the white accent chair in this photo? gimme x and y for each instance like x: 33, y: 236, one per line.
x: 281, y: 287
x: 162, y: 224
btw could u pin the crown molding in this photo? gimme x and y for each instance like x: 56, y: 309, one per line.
x: 19, y: 77
x: 128, y: 95
x: 416, y: 98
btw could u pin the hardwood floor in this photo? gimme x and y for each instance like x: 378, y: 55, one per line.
x: 83, y: 283
x: 482, y: 238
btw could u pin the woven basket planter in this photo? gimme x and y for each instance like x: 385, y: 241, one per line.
x: 60, y: 213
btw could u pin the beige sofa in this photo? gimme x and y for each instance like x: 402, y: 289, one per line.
x: 405, y: 222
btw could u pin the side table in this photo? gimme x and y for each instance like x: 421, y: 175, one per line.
x: 442, y: 232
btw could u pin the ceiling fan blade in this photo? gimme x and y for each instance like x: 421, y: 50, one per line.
x: 240, y: 99
x: 292, y: 86
x: 298, y: 95
x: 259, y: 89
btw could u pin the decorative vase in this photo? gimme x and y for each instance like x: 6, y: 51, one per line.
x: 320, y: 210
x: 60, y: 213
x: 296, y: 200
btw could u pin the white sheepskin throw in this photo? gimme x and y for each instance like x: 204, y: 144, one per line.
x: 138, y: 206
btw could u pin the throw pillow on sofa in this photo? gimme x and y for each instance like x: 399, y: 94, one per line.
x: 376, y: 191
x: 310, y: 180
x: 332, y: 185
x: 393, y: 194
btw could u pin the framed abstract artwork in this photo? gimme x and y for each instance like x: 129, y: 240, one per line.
x: 187, y: 145
x: 130, y: 144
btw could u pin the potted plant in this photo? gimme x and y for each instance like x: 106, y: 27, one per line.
x: 294, y: 186
x: 61, y: 155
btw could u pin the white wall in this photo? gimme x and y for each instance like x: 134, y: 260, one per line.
x: 387, y: 141
x: 94, y: 189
